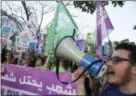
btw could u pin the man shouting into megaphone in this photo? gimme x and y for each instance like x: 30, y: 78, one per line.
x: 121, y: 74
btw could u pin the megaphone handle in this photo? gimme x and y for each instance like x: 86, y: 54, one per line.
x: 57, y: 73
x: 90, y: 65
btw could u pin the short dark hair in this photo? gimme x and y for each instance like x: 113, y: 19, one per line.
x: 130, y: 47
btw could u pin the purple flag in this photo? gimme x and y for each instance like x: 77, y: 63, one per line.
x: 104, y: 27
x: 39, y: 39
x: 19, y: 80
x: 81, y: 45
x: 39, y: 43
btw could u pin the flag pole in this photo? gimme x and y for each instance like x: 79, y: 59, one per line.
x: 110, y: 44
x: 109, y: 41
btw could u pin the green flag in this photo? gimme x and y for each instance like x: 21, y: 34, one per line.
x: 62, y: 25
x: 49, y: 49
x: 65, y: 23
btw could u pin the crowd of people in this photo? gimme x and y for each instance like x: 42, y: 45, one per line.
x: 31, y: 59
x: 121, y: 71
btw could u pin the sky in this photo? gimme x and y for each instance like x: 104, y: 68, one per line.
x: 122, y: 18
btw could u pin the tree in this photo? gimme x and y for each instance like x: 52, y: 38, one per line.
x: 27, y: 13
x: 14, y: 19
x: 90, y: 6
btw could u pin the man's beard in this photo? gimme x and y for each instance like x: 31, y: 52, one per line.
x: 127, y: 76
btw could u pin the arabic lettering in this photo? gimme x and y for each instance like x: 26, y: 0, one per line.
x: 27, y: 81
x: 59, y: 89
x: 10, y: 77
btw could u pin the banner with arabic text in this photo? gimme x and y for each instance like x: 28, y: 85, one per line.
x: 19, y: 80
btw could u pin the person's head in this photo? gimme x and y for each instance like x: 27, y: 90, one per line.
x: 9, y: 56
x: 27, y: 59
x: 44, y: 57
x: 3, y: 55
x: 32, y: 55
x: 122, y: 64
x: 39, y: 61
x: 63, y: 62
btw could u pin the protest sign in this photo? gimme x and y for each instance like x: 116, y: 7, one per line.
x: 4, y: 41
x: 9, y: 44
x: 19, y: 80
x: 19, y: 48
x: 24, y: 38
x: 5, y: 31
x: 32, y: 45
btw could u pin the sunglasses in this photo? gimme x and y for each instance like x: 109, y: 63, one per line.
x: 116, y: 59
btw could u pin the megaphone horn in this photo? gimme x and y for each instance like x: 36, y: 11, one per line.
x: 66, y: 48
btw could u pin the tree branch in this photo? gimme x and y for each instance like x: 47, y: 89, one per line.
x: 26, y: 10
x: 49, y: 10
x: 19, y: 25
x: 11, y: 9
x: 9, y: 6
x: 40, y: 21
x: 19, y: 17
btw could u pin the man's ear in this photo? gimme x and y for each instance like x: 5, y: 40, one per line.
x: 134, y: 70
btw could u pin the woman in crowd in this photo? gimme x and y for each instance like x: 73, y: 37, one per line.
x: 3, y: 52
x: 39, y: 63
x: 27, y: 60
x: 42, y: 62
x: 9, y: 58
x: 64, y: 65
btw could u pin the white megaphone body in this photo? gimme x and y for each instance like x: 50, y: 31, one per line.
x: 67, y: 48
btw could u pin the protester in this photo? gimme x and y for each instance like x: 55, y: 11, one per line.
x: 16, y: 57
x: 9, y: 58
x: 121, y: 73
x: 63, y: 65
x: 27, y: 60
x: 33, y: 59
x: 39, y: 62
x: 3, y: 57
x: 42, y: 62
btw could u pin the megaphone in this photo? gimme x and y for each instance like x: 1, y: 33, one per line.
x: 66, y: 48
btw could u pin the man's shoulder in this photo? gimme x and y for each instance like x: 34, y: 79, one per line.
x: 113, y: 90
x: 111, y: 87
x: 110, y: 90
